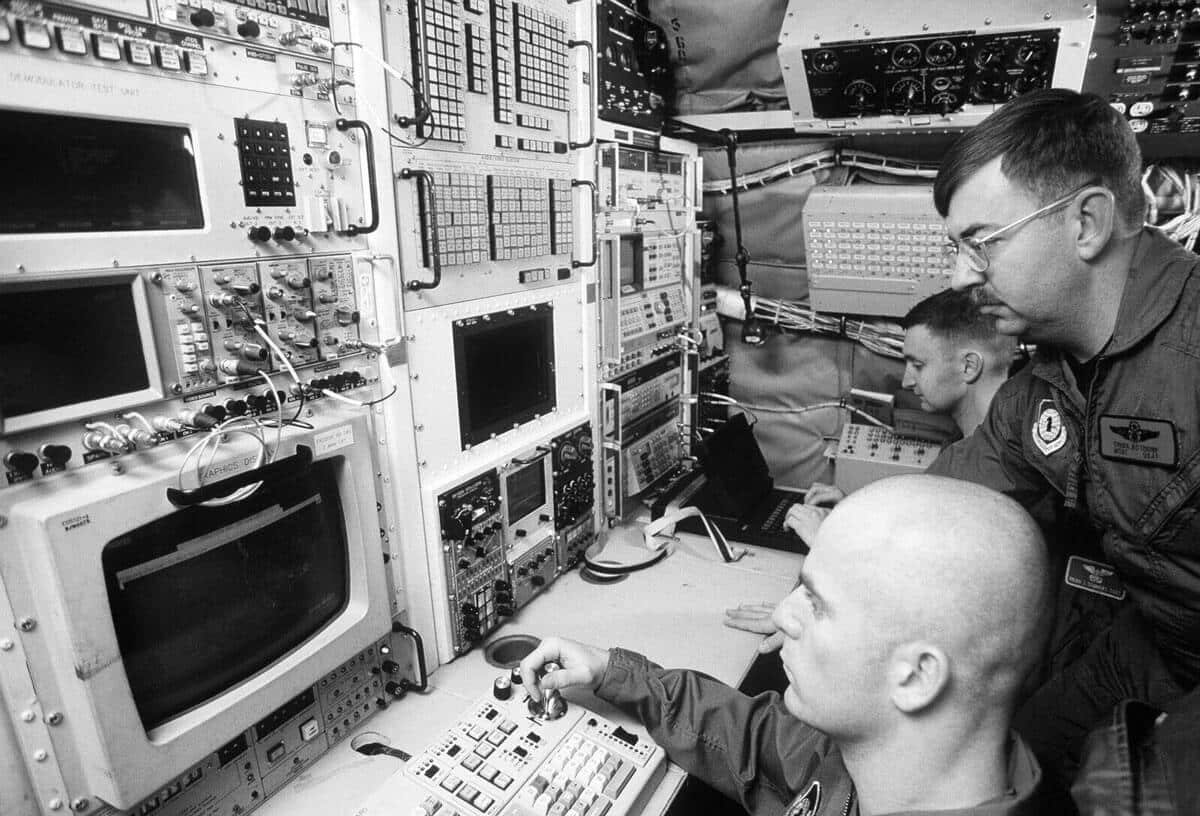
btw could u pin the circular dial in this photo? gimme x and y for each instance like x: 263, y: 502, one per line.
x: 990, y: 56
x: 859, y: 93
x: 1031, y: 54
x: 568, y: 453
x: 585, y: 446
x: 989, y: 87
x: 945, y: 102
x: 941, y: 52
x: 906, y: 55
x: 907, y: 92
x: 825, y: 62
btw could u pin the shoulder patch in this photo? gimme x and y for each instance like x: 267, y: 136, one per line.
x: 1049, y: 432
x: 807, y: 804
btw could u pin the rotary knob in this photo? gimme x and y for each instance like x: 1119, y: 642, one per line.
x: 203, y: 18
x: 260, y: 234
x: 502, y: 688
x: 249, y: 29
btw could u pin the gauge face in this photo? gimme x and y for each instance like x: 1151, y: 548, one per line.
x: 990, y: 56
x: 1031, y: 54
x: 941, y: 52
x: 585, y: 445
x: 907, y: 93
x: 906, y: 55
x: 859, y: 93
x: 825, y: 62
x: 568, y: 453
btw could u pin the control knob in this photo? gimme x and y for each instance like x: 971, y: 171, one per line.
x: 260, y: 234
x: 237, y: 368
x: 502, y: 688
x: 285, y: 234
x: 249, y: 29
x: 57, y: 455
x: 203, y: 18
x: 21, y: 462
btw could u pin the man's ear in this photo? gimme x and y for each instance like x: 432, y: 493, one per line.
x: 972, y: 366
x: 1095, y: 219
x: 918, y: 675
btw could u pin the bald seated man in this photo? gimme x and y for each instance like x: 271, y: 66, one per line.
x: 919, y: 616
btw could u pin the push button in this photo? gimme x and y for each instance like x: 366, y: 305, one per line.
x: 70, y: 41
x: 138, y: 53
x: 168, y: 58
x: 34, y: 35
x: 106, y: 47
x: 195, y: 63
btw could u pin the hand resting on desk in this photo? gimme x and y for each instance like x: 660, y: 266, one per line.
x: 756, y: 617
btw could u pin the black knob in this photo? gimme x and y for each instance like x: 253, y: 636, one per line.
x: 21, y: 462
x: 515, y: 675
x: 248, y: 29
x: 480, y: 552
x: 538, y: 581
x: 544, y: 517
x: 57, y: 455
x: 285, y: 234
x: 236, y: 407
x: 502, y: 688
x: 260, y: 233
x: 203, y: 18
x: 217, y: 412
x: 391, y: 666
x: 395, y: 689
x: 463, y: 563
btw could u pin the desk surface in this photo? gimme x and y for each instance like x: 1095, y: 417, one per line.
x: 672, y: 612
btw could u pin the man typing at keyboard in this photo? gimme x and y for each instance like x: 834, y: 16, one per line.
x: 920, y: 613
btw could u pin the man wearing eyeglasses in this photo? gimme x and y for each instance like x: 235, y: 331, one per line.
x: 1044, y: 210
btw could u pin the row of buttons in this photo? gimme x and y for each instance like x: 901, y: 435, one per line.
x: 106, y: 47
x: 501, y: 64
x: 442, y: 46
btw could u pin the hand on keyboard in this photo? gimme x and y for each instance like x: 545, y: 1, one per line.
x: 756, y: 617
x: 821, y: 493
x: 579, y: 665
x: 804, y: 520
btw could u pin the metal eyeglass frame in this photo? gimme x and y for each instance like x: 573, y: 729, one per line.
x: 975, y: 248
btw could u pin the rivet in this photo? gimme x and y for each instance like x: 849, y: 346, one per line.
x: 26, y: 624
x: 40, y: 755
x: 79, y: 804
x: 27, y: 716
x: 55, y: 804
x: 5, y: 645
x: 54, y: 718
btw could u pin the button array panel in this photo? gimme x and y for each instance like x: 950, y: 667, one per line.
x: 520, y: 216
x: 178, y: 55
x: 646, y: 312
x: 541, y: 56
x: 870, y: 247
x: 499, y: 217
x: 497, y: 759
x: 437, y: 36
x: 502, y: 62
x: 477, y: 72
x: 264, y: 154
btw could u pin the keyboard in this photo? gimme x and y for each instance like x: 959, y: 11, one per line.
x: 499, y: 760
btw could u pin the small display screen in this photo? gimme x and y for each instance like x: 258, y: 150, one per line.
x: 75, y: 174
x: 631, y: 263
x: 128, y: 8
x: 206, y: 597
x: 504, y: 364
x: 526, y: 491
x: 62, y: 345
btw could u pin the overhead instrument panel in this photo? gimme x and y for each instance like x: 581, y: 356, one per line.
x: 939, y: 65
x: 485, y: 123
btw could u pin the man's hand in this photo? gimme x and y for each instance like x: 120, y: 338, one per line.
x: 756, y: 618
x: 821, y: 493
x: 580, y: 665
x: 804, y: 520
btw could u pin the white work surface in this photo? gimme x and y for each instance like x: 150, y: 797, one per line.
x: 671, y: 612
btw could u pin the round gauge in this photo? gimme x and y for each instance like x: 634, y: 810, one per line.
x: 1029, y: 82
x: 906, y: 55
x: 941, y: 52
x: 907, y: 92
x: 825, y: 62
x: 568, y: 453
x: 859, y: 93
x: 990, y: 56
x: 989, y: 87
x: 1031, y: 54
x: 585, y: 445
x: 945, y: 102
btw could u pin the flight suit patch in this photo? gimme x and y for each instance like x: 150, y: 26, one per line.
x: 1049, y: 432
x: 1094, y: 576
x: 1138, y: 439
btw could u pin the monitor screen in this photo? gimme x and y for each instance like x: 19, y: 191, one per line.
x: 504, y: 364
x: 64, y: 345
x: 204, y: 598
x: 526, y: 491
x: 77, y: 174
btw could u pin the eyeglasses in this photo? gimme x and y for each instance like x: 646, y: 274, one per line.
x: 974, y: 250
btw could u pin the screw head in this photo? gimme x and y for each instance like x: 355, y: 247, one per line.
x: 26, y: 624
x: 55, y: 804
x: 5, y: 645
x: 40, y: 755
x: 79, y: 804
x: 54, y: 718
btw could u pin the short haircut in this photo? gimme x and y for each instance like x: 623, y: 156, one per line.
x: 1052, y: 140
x: 953, y: 315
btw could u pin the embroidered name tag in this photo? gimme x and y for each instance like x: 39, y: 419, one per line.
x: 1138, y: 439
x: 1094, y: 576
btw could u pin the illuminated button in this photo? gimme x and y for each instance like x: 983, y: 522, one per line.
x: 168, y: 58
x: 451, y: 783
x: 34, y: 35
x: 196, y: 63
x: 106, y: 47
x: 138, y: 53
x: 70, y: 41
x: 309, y: 729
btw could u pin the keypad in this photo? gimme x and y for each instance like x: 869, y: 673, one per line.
x: 444, y: 62
x: 869, y: 247
x: 540, y: 43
